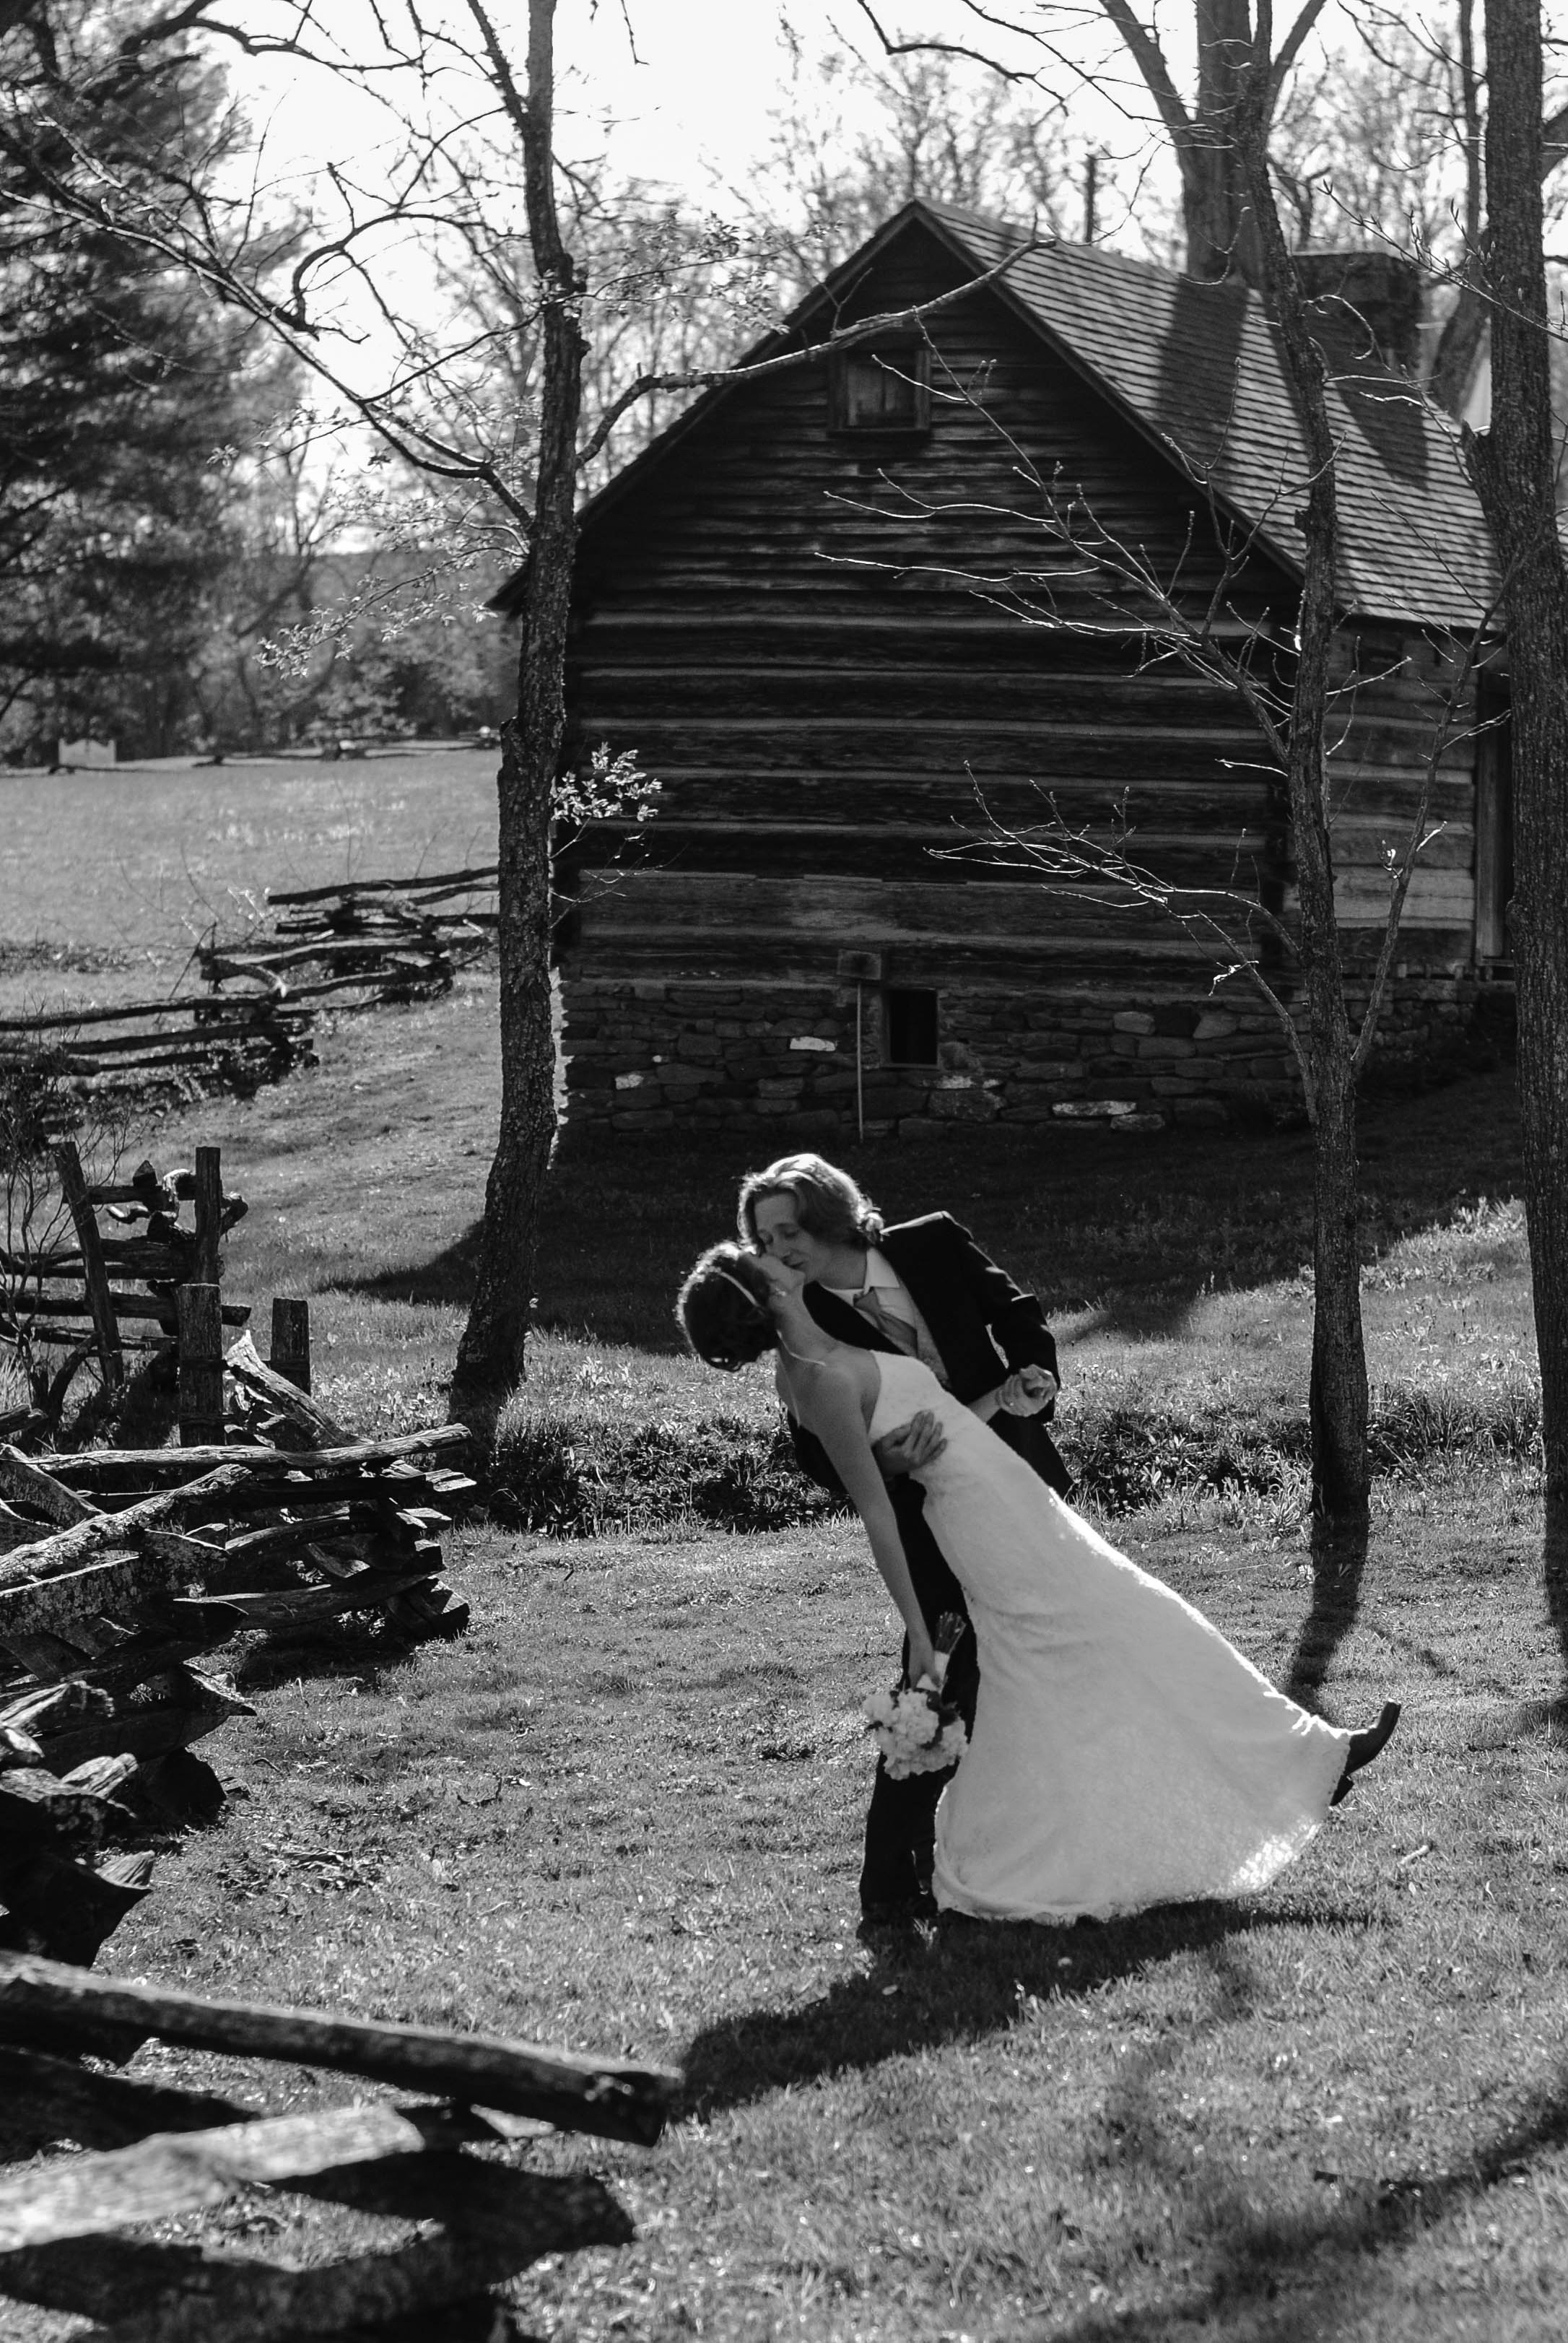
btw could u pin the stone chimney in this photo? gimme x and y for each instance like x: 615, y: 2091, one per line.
x: 1372, y: 298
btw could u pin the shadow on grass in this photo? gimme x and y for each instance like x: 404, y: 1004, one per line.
x: 1294, y: 2272
x: 954, y: 1983
x: 339, y: 1647
x: 1339, y: 1566
x: 447, y: 1278
x: 1554, y: 1581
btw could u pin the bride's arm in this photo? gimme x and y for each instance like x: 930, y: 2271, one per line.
x: 837, y: 1420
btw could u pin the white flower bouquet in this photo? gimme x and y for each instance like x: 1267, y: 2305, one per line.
x: 916, y: 1731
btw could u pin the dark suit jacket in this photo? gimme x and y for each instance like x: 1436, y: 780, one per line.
x: 984, y: 1326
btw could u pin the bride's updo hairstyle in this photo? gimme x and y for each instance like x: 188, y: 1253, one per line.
x: 828, y: 1204
x: 723, y: 1307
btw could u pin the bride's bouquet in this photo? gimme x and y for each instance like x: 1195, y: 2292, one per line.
x: 916, y: 1731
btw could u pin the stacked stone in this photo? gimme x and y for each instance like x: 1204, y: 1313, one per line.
x: 644, y: 1057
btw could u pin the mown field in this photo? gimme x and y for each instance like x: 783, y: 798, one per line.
x: 120, y: 874
x: 623, y: 1813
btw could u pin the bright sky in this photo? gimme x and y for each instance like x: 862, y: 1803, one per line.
x: 690, y: 82
x: 699, y: 92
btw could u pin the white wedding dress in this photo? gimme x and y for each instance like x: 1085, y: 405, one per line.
x: 1124, y: 1753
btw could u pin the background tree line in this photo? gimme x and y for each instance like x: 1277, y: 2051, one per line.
x: 556, y: 315
x: 172, y: 504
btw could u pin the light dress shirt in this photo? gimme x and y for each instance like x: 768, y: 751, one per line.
x: 896, y: 1299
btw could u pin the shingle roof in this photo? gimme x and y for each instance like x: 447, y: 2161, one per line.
x: 1198, y: 368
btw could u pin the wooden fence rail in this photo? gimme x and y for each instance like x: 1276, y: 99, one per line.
x: 157, y: 2154
x: 361, y: 942
x: 162, y: 1052
x: 125, y: 1566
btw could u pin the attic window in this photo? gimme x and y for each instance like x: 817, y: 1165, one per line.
x: 884, y: 389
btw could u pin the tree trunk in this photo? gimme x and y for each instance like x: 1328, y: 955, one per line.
x: 1515, y: 474
x: 1217, y: 208
x: 1339, y: 1381
x: 490, y: 1357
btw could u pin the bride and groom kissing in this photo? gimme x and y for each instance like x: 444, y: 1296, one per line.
x: 1121, y: 1753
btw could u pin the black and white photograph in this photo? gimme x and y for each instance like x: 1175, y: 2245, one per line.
x: 783, y: 1170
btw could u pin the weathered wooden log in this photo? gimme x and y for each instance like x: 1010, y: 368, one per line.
x: 197, y: 1555
x: 47, y: 1656
x: 17, y: 1529
x: 321, y: 1489
x: 37, y: 1809
x: 166, y: 2175
x: 45, y: 1709
x: 62, y: 1606
x: 165, y: 2294
x: 101, y: 1777
x: 126, y: 1306
x: 201, y: 1361
x: 282, y: 1540
x: 97, y: 1465
x: 146, y: 1189
x: 69, y: 1549
x: 365, y: 1590
x: 142, y: 1733
x: 428, y: 1610
x: 612, y: 2098
x: 49, y: 1332
x: 289, y: 1369
x: 66, y: 1020
x: 480, y: 875
x: 95, y: 1274
x: 126, y: 1660
x: 164, y: 1258
x: 176, y: 1045
x: 208, y: 1214
x: 23, y: 1476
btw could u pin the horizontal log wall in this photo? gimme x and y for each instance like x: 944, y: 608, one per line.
x: 781, y: 621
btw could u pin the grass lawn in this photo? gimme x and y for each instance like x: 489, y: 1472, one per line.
x: 623, y: 1813
x: 120, y: 873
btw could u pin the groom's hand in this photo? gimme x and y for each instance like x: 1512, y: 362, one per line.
x: 1028, y: 1391
x: 910, y: 1445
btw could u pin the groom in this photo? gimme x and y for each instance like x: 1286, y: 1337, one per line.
x: 923, y: 1287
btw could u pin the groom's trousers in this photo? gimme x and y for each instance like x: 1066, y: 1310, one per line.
x: 900, y: 1824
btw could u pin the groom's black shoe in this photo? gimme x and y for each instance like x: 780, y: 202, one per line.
x: 881, y: 1919
x: 1364, y: 1748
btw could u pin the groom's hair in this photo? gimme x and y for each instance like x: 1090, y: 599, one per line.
x: 828, y: 1204
x: 723, y: 1307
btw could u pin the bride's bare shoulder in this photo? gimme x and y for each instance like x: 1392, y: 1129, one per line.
x: 821, y: 1389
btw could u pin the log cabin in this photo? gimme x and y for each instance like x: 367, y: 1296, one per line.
x: 856, y: 613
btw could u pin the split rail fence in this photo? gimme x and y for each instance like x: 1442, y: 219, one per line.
x: 157, y: 2154
x: 361, y: 943
x: 161, y: 1052
x: 139, y: 1564
x: 149, y: 1285
x: 120, y: 1568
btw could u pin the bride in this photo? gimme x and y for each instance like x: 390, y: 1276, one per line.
x: 1123, y: 1753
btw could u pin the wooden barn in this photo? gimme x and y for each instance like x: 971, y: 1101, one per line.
x: 830, y: 606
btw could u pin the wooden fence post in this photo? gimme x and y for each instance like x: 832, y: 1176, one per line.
x: 95, y: 1274
x: 208, y: 1214
x: 291, y: 1341
x: 201, y: 1365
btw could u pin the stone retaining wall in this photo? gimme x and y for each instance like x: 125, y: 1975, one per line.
x: 780, y: 1058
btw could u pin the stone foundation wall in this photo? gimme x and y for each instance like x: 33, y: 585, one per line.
x: 779, y: 1060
